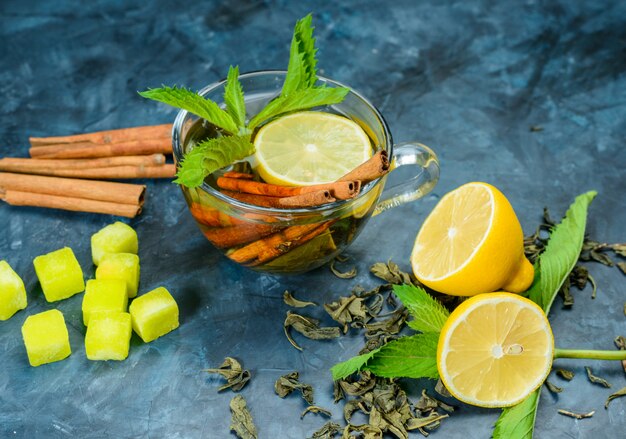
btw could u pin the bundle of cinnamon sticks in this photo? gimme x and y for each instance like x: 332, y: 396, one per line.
x: 128, y: 153
x: 263, y: 238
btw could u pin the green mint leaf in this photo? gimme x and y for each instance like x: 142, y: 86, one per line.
x: 299, y: 100
x: 233, y: 97
x: 194, y: 103
x: 561, y: 253
x: 354, y: 364
x: 518, y: 422
x: 413, y: 356
x: 211, y: 155
x: 428, y: 314
x: 301, y: 72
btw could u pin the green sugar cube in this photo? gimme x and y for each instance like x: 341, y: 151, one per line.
x: 104, y: 295
x: 154, y: 314
x: 46, y: 338
x: 108, y: 335
x: 60, y: 274
x: 114, y: 238
x: 12, y: 292
x: 124, y: 266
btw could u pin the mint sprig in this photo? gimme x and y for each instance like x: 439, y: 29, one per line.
x: 298, y: 93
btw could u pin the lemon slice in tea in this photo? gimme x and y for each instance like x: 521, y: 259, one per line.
x: 310, y: 147
x: 495, y: 349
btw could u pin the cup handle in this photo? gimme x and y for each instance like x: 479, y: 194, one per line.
x: 420, y: 184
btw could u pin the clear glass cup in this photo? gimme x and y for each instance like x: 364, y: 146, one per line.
x: 287, y: 241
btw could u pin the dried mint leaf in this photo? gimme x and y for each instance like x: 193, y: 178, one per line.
x: 622, y: 266
x: 232, y: 371
x: 428, y: 403
x: 309, y: 327
x: 601, y: 258
x: 342, y: 275
x: 328, y: 431
x: 441, y: 389
x: 290, y: 382
x: 348, y: 310
x: 565, y: 374
x: 367, y: 432
x: 292, y: 301
x: 619, y: 249
x: 241, y: 422
x: 618, y: 394
x: 577, y: 415
x: 390, y: 272
x: 426, y: 421
x: 553, y: 388
x: 315, y: 409
x: 620, y: 342
x: 596, y: 380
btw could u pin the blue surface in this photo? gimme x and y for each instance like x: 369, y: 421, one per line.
x: 466, y: 78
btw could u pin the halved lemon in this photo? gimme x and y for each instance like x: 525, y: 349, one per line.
x: 472, y: 243
x: 310, y: 147
x: 495, y: 349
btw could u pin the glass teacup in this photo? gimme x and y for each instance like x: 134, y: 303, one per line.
x: 296, y: 240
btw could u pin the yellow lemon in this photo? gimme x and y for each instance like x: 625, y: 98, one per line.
x: 472, y: 243
x: 310, y: 147
x: 495, y: 349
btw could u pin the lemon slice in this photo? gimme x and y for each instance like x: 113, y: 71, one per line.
x: 472, y: 243
x: 495, y: 349
x: 310, y: 147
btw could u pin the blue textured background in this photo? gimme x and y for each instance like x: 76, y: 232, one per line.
x: 466, y: 78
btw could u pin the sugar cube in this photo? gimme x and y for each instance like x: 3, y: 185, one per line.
x: 12, y: 292
x: 154, y: 314
x: 60, y: 274
x: 108, y: 335
x: 123, y: 266
x: 114, y: 238
x: 104, y: 295
x: 46, y: 338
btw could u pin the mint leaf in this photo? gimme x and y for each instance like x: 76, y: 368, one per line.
x: 299, y: 100
x: 211, y: 155
x: 428, y: 314
x: 552, y: 268
x: 233, y: 97
x: 518, y: 422
x: 301, y: 72
x: 354, y: 364
x: 413, y: 356
x: 194, y: 103
x: 561, y: 253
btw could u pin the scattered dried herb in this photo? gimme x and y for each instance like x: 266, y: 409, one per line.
x: 442, y: 390
x: 342, y: 275
x: 235, y: 375
x: 535, y: 128
x: 427, y: 403
x: 553, y: 388
x: 241, y: 422
x: 577, y: 415
x: 367, y: 432
x: 618, y: 394
x: 328, y: 431
x: 620, y: 342
x: 622, y: 266
x: 390, y: 272
x: 349, y: 310
x: 565, y: 374
x: 290, y: 382
x: 309, y: 327
x: 315, y: 409
x: 596, y: 380
x: 292, y: 301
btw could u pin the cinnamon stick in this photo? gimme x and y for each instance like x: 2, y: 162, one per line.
x: 233, y: 236
x: 112, y: 173
x: 375, y: 167
x: 211, y: 217
x: 119, y: 193
x: 309, y: 199
x: 133, y: 147
x: 33, y: 166
x: 19, y: 198
x: 109, y: 136
x: 266, y: 249
x: 341, y: 190
x: 242, y: 175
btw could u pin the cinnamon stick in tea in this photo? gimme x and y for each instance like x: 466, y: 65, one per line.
x: 242, y: 175
x: 19, y: 198
x: 33, y: 166
x: 309, y: 199
x: 375, y: 167
x: 109, y: 136
x: 233, y: 236
x: 112, y: 173
x: 341, y: 190
x: 134, y: 147
x: 266, y: 249
x: 120, y: 193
